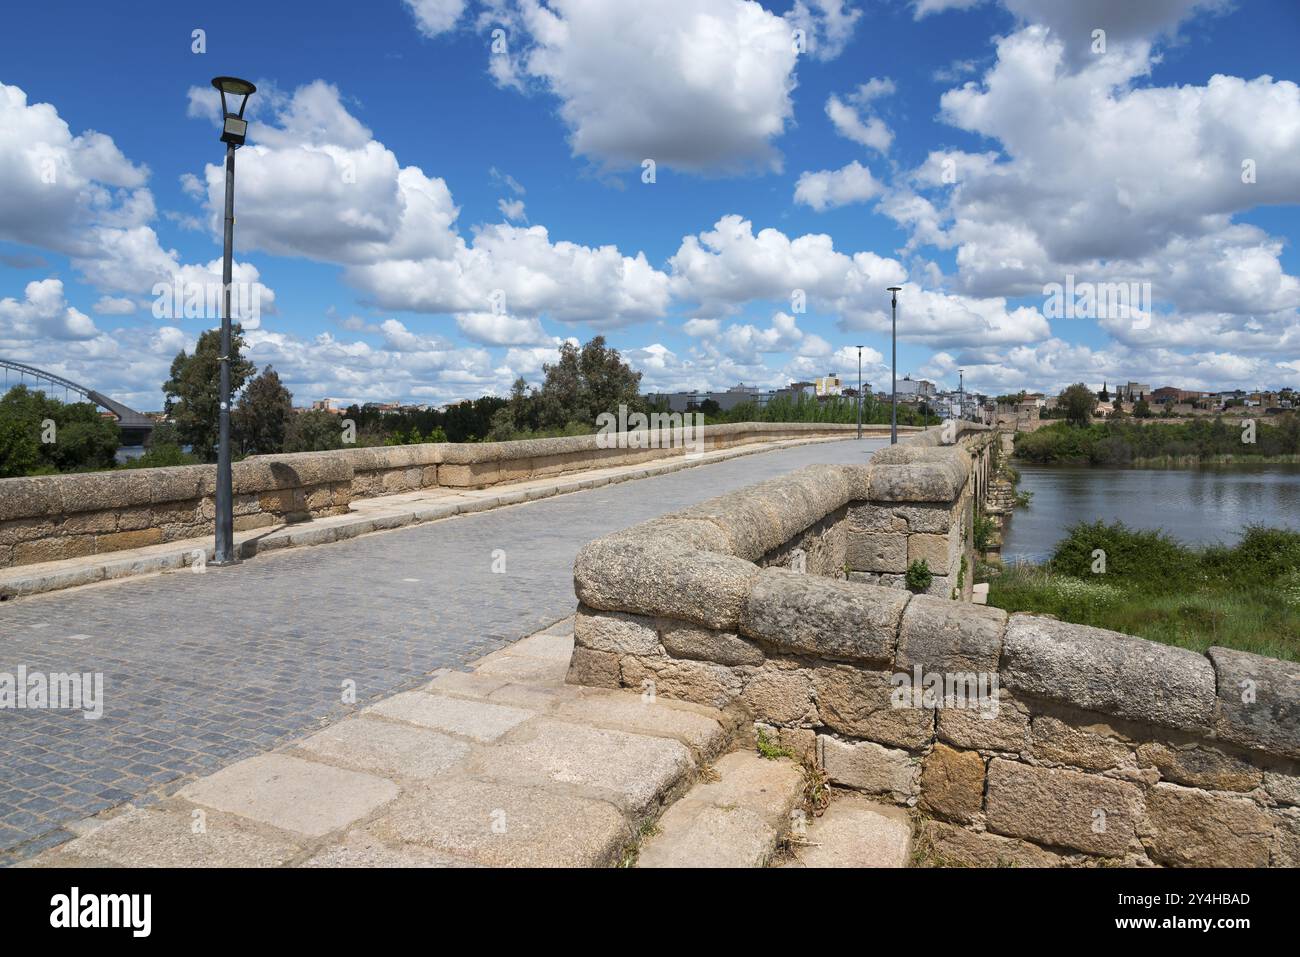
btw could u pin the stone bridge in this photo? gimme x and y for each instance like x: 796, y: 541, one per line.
x: 781, y: 608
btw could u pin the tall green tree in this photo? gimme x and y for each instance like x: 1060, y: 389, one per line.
x: 313, y: 431
x: 584, y: 383
x: 262, y: 415
x: 193, y: 389
x: 1078, y: 403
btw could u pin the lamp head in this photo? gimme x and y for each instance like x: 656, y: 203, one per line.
x: 234, y: 128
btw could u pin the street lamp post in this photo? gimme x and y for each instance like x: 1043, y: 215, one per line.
x: 233, y: 130
x: 961, y: 394
x: 893, y: 364
x: 859, y: 391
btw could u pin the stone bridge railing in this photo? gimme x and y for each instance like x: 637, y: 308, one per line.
x: 1018, y: 739
x: 51, y: 517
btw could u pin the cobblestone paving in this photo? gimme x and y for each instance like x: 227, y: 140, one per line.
x: 201, y: 670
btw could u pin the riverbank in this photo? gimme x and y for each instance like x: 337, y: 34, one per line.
x: 1199, y: 442
x: 1245, y: 596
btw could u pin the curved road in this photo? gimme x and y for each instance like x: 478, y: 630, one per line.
x: 203, y: 670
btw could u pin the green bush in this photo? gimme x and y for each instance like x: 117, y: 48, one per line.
x: 1131, y: 554
x: 919, y: 577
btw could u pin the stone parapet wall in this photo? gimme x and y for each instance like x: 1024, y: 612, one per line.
x: 1046, y: 743
x: 52, y: 517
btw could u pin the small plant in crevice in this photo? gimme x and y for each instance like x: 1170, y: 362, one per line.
x: 919, y: 577
x: 771, y: 750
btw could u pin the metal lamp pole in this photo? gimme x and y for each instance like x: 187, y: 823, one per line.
x: 961, y: 393
x: 233, y: 131
x: 859, y: 391
x: 893, y: 363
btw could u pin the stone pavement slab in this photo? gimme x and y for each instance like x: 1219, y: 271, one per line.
x: 384, y: 748
x: 855, y: 832
x: 174, y: 837
x: 631, y: 770
x: 734, y: 820
x: 471, y: 719
x: 292, y: 794
x: 505, y: 825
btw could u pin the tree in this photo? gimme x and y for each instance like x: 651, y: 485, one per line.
x: 584, y: 383
x: 261, y: 418
x: 313, y: 431
x: 1142, y: 409
x: 1078, y: 403
x: 39, y: 434
x: 193, y: 389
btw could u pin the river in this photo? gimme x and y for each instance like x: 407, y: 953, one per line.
x: 1197, y: 506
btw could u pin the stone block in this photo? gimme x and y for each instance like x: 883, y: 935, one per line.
x: 1196, y: 829
x: 115, y: 541
x: 1281, y: 787
x: 1006, y: 730
x: 870, y: 767
x: 952, y: 846
x: 26, y: 529
x: 1053, y: 740
x: 1108, y: 672
x: 935, y: 519
x: 598, y: 669
x: 86, y: 523
x: 702, y: 682
x: 943, y: 635
x: 615, y: 632
x: 1286, y: 838
x: 1200, y: 767
x: 876, y: 552
x: 860, y: 704
x: 952, y: 784
x: 647, y: 572
x: 865, y: 517
x: 1062, y: 808
x: 781, y: 696
x: 823, y: 617
x: 1258, y: 701
x: 704, y: 644
x: 53, y: 549
x: 934, y: 550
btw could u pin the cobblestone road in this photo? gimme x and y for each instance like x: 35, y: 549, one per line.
x: 203, y: 670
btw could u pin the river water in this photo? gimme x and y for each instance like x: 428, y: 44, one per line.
x: 1196, y: 506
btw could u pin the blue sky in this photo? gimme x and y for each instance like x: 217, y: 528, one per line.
x: 425, y: 218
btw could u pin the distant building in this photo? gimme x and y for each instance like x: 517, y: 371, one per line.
x: 918, y: 388
x: 1133, y: 391
x: 828, y: 385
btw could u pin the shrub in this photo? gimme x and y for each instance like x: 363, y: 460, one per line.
x: 1132, y: 555
x: 919, y: 577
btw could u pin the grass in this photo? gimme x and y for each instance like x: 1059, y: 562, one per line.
x: 1245, y: 596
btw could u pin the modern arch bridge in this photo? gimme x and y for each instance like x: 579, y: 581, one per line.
x: 135, y: 426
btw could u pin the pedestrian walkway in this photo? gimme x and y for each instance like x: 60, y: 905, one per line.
x: 503, y: 766
x: 203, y: 671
